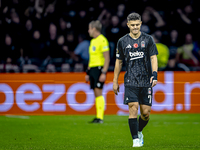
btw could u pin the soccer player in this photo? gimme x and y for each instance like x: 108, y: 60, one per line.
x: 139, y: 51
x: 99, y: 58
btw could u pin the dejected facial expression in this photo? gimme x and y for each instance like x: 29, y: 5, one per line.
x: 134, y: 26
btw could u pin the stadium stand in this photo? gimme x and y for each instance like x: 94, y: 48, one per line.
x: 42, y: 35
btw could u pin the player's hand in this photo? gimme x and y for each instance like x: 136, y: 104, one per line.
x: 87, y: 78
x: 154, y: 82
x: 179, y: 11
x: 115, y: 88
x: 102, y: 77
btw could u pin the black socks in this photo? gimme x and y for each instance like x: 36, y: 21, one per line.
x: 142, y: 123
x: 133, y: 125
x: 136, y: 126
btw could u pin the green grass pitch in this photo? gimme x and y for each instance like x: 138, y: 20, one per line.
x: 164, y: 132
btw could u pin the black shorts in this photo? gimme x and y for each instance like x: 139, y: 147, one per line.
x: 94, y: 78
x: 143, y: 95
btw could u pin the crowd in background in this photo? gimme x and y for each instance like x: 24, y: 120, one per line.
x: 52, y: 35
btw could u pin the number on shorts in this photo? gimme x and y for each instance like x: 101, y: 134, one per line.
x: 149, y: 96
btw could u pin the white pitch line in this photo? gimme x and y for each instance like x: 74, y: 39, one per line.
x: 169, y: 123
x: 15, y: 116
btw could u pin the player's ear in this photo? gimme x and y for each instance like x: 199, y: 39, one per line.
x: 127, y: 24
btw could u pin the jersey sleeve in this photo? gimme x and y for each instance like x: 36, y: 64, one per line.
x: 152, y: 47
x: 105, y: 45
x: 119, y: 51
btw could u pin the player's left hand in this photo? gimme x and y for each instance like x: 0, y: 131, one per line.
x: 154, y: 82
x: 102, y: 77
x: 115, y: 88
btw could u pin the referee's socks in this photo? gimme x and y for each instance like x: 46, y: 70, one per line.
x: 100, y: 105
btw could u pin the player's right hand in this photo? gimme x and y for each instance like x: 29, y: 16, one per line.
x: 116, y: 88
x: 87, y: 78
x: 153, y: 82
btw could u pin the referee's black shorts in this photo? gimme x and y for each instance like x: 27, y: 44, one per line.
x: 142, y: 95
x: 95, y: 73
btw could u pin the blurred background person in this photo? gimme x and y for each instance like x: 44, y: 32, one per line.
x: 187, y: 19
x: 28, y: 29
x: 71, y: 43
x: 105, y: 17
x: 188, y: 52
x: 62, y: 26
x: 82, y: 50
x: 113, y: 33
x: 50, y: 15
x: 10, y: 51
x: 121, y: 11
x: 163, y: 51
x: 151, y: 21
x: 173, y: 42
x: 51, y: 46
x: 81, y: 18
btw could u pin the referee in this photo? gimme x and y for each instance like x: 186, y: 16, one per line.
x: 99, y: 58
x: 139, y: 51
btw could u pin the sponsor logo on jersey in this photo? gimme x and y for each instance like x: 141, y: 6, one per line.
x: 142, y: 44
x: 136, y: 55
x: 135, y: 45
x: 128, y: 46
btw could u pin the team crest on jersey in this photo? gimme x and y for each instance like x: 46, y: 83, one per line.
x: 135, y: 45
x: 93, y: 48
x: 149, y: 90
x: 142, y: 44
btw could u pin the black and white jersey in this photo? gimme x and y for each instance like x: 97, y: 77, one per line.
x: 137, y: 53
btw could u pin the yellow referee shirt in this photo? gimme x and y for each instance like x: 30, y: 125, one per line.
x: 98, y: 45
x: 163, y: 55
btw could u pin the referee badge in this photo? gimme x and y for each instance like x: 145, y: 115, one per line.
x: 93, y: 48
x: 142, y: 44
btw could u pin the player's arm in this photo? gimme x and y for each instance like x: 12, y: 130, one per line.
x: 107, y: 61
x: 104, y: 70
x: 118, y: 67
x: 154, y: 66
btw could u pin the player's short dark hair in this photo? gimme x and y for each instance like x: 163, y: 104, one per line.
x: 96, y: 24
x: 133, y: 16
